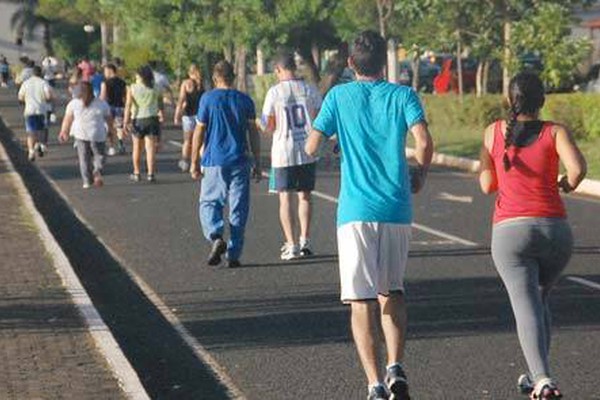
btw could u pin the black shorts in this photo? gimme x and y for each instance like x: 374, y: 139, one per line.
x: 143, y: 127
x: 298, y: 178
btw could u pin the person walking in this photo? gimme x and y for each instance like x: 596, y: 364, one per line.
x: 225, y: 126
x: 372, y: 118
x: 86, y: 119
x: 190, y: 93
x: 531, y: 238
x: 289, y: 109
x: 4, y: 72
x: 144, y: 108
x: 114, y: 92
x: 37, y: 94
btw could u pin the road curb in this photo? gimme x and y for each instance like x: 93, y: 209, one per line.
x: 101, y: 334
x: 588, y: 187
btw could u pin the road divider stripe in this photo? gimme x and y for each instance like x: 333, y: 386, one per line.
x: 105, y: 342
x: 584, y: 282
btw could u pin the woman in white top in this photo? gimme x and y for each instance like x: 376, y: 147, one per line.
x: 88, y: 119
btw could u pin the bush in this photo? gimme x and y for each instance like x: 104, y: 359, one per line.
x: 579, y: 112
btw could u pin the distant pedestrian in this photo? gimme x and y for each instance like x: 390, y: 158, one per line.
x: 531, y: 238
x: 372, y: 118
x: 225, y: 126
x: 190, y: 92
x: 289, y: 109
x: 144, y: 109
x: 37, y: 95
x: 49, y: 66
x: 114, y: 92
x: 96, y: 81
x: 87, y: 69
x: 4, y: 72
x: 26, y: 72
x: 87, y: 119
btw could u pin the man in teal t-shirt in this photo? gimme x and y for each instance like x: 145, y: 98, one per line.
x: 371, y: 119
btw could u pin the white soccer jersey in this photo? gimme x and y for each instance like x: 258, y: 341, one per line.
x: 294, y: 103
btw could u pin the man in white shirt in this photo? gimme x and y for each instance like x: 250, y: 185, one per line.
x: 36, y: 93
x: 289, y: 109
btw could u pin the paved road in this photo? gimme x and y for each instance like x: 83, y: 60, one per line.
x: 278, y: 329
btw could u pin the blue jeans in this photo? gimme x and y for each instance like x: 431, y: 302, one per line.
x: 221, y: 186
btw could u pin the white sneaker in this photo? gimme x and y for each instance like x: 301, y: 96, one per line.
x: 86, y: 186
x: 289, y: 251
x: 305, y: 248
x: 183, y: 165
x: 111, y: 151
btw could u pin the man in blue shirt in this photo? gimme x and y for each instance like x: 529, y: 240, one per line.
x: 371, y: 118
x: 225, y: 124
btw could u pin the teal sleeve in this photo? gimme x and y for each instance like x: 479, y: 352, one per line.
x: 326, y: 121
x: 413, y: 109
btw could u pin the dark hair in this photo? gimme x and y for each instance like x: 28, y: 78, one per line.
x: 369, y: 53
x: 526, y: 96
x: 87, y: 93
x: 111, y: 66
x: 285, y: 59
x: 37, y: 70
x: 145, y: 72
x: 224, y: 70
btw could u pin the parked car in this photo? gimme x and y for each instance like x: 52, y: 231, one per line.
x: 427, y: 72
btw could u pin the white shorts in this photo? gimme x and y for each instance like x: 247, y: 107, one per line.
x: 372, y: 259
x: 188, y: 123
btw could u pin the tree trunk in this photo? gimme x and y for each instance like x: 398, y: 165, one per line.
x: 415, y: 63
x: 381, y: 17
x: 486, y: 76
x: 312, y: 70
x: 116, y: 33
x: 392, y: 62
x: 47, y: 38
x: 479, y: 79
x: 104, y: 32
x: 240, y: 68
x: 506, y: 60
x: 316, y: 55
x: 260, y: 61
x: 459, y: 69
x: 228, y: 53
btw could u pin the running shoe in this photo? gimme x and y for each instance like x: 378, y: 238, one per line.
x: 305, y: 248
x: 98, y: 181
x: 151, y: 178
x: 289, y: 251
x: 397, y: 383
x: 31, y: 155
x: 86, y: 185
x: 219, y: 247
x: 42, y: 149
x: 378, y: 393
x: 545, y: 389
x: 183, y: 165
x: 525, y: 384
x: 135, y: 177
x: 111, y: 151
x: 233, y: 264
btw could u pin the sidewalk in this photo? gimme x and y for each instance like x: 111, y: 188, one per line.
x: 46, y: 351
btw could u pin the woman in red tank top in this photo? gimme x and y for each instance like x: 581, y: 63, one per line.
x: 531, y: 239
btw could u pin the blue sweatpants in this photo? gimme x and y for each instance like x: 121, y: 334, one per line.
x: 222, y: 186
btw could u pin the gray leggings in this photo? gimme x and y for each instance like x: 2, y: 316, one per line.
x: 530, y: 255
x: 91, y: 158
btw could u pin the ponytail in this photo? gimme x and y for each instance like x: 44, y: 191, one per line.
x: 508, y: 137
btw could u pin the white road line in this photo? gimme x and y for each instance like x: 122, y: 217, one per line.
x: 199, y: 351
x: 452, y: 197
x: 175, y: 143
x: 585, y: 282
x: 100, y: 333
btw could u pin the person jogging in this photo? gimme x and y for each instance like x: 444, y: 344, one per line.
x: 4, y: 72
x: 86, y: 119
x: 114, y: 92
x: 225, y: 126
x: 531, y: 239
x: 185, y: 113
x: 372, y: 118
x: 144, y: 108
x: 37, y: 94
x: 289, y: 109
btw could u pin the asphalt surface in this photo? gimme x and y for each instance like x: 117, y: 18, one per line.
x: 278, y: 329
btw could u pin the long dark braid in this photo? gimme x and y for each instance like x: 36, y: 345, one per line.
x: 526, y: 93
x: 508, y: 137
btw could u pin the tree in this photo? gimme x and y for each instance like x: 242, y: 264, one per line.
x: 26, y: 19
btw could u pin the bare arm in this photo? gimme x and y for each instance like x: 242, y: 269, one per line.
x: 313, y: 142
x: 270, y: 126
x: 197, y: 142
x: 66, y: 127
x: 488, y: 181
x: 254, y: 140
x: 127, y: 112
x: 180, y: 103
x: 103, y: 95
x: 423, y: 155
x: 572, y: 159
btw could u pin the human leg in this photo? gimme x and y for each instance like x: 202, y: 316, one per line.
x: 213, y: 195
x: 136, y: 153
x: 239, y: 208
x: 366, y: 339
x: 393, y: 323
x: 285, y: 216
x: 304, y: 214
x: 150, y: 147
x: 98, y: 150
x: 83, y: 155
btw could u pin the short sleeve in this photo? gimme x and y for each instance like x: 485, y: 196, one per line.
x: 326, y: 119
x: 70, y: 107
x: 202, y: 115
x: 269, y: 104
x: 413, y: 109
